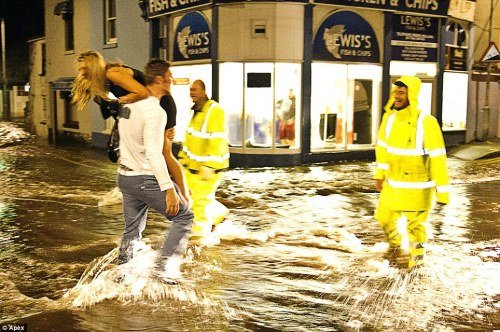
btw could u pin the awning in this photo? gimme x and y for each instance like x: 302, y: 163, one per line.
x: 62, y: 84
x: 64, y: 7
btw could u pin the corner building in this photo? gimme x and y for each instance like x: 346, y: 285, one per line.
x: 337, y: 58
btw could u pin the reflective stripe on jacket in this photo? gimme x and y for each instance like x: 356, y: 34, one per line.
x: 411, y: 156
x: 206, y: 141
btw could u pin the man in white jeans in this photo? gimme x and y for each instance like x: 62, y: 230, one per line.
x: 143, y: 176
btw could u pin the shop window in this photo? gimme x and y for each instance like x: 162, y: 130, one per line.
x: 110, y: 21
x: 455, y: 35
x: 262, y: 104
x: 231, y: 97
x: 455, y: 92
x: 183, y: 77
x: 456, y: 47
x: 344, y: 101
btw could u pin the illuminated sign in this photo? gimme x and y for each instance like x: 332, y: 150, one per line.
x: 346, y: 36
x: 192, y: 38
x: 157, y: 8
x: 434, y: 7
x: 414, y: 38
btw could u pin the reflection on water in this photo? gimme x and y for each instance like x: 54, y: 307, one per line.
x: 301, y: 253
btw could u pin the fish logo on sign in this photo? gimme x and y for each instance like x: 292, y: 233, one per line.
x: 192, y: 38
x: 492, y: 54
x: 345, y: 36
x: 182, y: 41
x: 331, y: 37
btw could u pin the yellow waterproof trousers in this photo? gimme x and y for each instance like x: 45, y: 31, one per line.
x: 415, y: 226
x: 207, y: 211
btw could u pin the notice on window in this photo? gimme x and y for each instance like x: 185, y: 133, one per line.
x: 414, y: 38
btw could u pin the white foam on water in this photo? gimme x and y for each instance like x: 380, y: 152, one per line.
x: 451, y: 283
x: 339, y: 238
x: 232, y: 231
x: 112, y: 197
x: 131, y: 282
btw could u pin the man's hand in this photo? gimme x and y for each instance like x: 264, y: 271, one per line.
x: 206, y: 173
x: 172, y: 200
x: 103, y: 106
x: 170, y: 133
x: 378, y: 184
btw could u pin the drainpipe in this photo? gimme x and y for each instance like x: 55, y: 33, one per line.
x: 485, y: 123
x: 6, y: 111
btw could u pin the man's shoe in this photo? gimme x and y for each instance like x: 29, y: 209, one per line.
x: 171, y: 272
x: 396, y: 257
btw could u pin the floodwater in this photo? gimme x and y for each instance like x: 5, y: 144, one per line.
x: 300, y: 252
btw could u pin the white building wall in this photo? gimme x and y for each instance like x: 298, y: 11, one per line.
x: 284, y: 32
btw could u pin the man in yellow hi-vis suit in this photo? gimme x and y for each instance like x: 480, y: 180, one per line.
x: 410, y: 168
x: 205, y: 153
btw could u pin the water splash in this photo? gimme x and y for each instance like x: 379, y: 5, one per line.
x: 131, y: 282
x: 112, y: 197
x: 380, y: 296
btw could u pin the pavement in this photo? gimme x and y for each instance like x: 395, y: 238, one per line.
x: 489, y: 148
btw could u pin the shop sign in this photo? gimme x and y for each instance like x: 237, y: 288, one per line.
x: 456, y: 58
x: 414, y: 38
x: 462, y: 9
x: 433, y: 7
x: 192, y: 38
x: 233, y: 1
x: 157, y: 8
x: 346, y: 36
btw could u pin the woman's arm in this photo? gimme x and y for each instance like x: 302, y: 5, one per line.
x: 123, y: 77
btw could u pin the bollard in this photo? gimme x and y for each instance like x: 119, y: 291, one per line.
x: 485, y: 121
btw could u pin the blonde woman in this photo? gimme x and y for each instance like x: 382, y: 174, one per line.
x: 98, y: 77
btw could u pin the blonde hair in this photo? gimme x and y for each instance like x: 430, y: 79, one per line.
x: 94, y: 82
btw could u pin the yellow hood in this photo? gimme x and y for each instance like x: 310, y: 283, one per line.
x: 413, y: 83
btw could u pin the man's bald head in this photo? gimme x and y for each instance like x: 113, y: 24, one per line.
x: 198, y: 93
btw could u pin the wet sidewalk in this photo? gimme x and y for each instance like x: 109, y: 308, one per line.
x: 477, y: 150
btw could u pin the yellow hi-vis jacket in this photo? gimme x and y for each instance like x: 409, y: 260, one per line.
x: 411, y: 156
x: 206, y: 141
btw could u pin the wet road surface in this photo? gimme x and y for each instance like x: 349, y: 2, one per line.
x: 301, y: 252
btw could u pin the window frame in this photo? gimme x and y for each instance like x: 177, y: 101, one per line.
x: 456, y: 30
x: 69, y: 32
x: 110, y: 31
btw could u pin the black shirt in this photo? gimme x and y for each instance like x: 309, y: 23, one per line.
x: 166, y: 102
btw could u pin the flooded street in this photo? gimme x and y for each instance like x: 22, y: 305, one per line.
x: 301, y: 252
